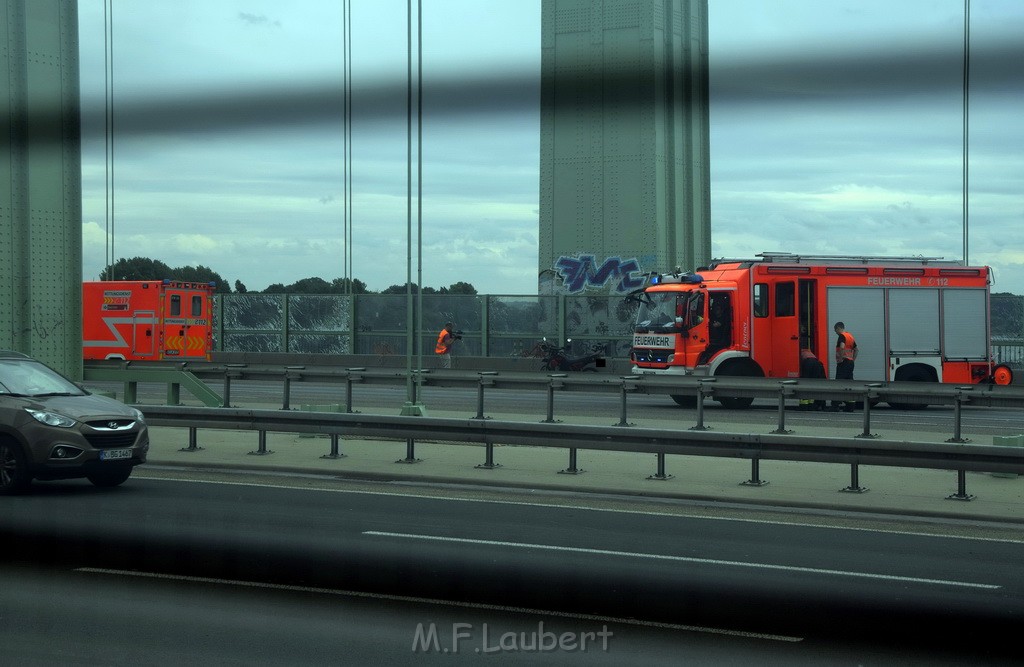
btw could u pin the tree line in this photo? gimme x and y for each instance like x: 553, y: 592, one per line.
x: 144, y: 268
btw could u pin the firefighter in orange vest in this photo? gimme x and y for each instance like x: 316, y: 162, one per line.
x: 445, y: 340
x: 846, y: 354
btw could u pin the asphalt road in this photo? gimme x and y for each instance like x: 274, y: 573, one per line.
x: 310, y: 571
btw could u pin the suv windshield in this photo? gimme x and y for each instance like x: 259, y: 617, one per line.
x: 27, y: 377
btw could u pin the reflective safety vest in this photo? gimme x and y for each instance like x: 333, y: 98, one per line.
x: 846, y: 352
x: 442, y: 346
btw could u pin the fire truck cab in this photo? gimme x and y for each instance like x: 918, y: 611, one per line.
x: 147, y: 320
x: 914, y: 319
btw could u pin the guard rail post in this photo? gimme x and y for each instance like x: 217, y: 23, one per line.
x: 958, y: 400
x: 349, y: 379
x: 622, y: 419
x: 961, y: 488
x: 233, y: 372
x: 961, y: 475
x: 131, y: 391
x: 785, y: 389
x: 572, y: 469
x: 660, y: 475
x: 855, y: 486
x: 555, y: 383
x: 701, y: 390
x: 334, y: 453
x: 261, y: 444
x: 192, y: 440
x: 286, y: 402
x: 485, y: 380
x: 755, y: 473
x: 489, y: 463
x: 410, y: 452
x: 868, y: 395
x: 173, y: 393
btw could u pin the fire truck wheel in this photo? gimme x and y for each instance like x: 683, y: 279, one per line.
x: 1002, y: 375
x: 734, y: 403
x: 912, y: 375
x: 737, y: 368
x: 685, y: 401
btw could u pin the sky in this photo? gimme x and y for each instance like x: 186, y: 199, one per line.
x: 836, y: 128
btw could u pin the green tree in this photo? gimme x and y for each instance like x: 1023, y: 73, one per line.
x: 402, y: 289
x: 144, y: 268
x: 339, y: 285
x: 309, y: 286
x: 137, y: 268
x: 201, y: 274
x: 461, y: 288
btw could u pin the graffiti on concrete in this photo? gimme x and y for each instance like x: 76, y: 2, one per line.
x: 580, y: 272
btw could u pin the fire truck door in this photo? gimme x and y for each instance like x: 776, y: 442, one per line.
x: 785, y: 333
x: 185, y: 325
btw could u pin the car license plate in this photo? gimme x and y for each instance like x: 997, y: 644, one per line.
x: 115, y: 454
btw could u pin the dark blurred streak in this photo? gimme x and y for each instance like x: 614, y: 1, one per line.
x: 829, y: 77
x: 871, y: 76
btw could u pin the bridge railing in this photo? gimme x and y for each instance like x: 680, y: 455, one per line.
x: 781, y: 446
x: 866, y: 394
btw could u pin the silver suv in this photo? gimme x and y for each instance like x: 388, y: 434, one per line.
x: 51, y: 428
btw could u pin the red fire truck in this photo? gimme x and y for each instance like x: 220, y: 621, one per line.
x: 914, y: 318
x: 147, y: 320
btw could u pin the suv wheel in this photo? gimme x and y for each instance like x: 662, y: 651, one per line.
x: 14, y: 475
x: 111, y: 477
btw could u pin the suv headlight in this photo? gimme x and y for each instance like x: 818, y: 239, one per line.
x: 51, y: 418
x: 138, y: 415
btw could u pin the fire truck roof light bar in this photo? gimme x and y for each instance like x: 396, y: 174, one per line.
x: 793, y: 257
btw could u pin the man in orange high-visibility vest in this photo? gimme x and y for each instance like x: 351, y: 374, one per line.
x: 846, y: 354
x: 445, y: 340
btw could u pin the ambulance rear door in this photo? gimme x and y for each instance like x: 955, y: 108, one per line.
x: 186, y: 322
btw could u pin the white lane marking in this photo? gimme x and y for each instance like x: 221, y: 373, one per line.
x: 587, y: 508
x: 684, y: 559
x: 435, y: 601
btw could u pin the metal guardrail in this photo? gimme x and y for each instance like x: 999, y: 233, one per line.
x: 738, y: 387
x: 782, y: 446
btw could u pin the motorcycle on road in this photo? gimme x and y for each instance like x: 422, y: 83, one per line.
x: 555, y: 358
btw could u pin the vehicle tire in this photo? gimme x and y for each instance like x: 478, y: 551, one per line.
x: 912, y: 375
x: 737, y: 369
x: 110, y: 477
x: 14, y: 476
x: 685, y: 401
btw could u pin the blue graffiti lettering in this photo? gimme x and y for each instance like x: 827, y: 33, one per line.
x: 579, y: 273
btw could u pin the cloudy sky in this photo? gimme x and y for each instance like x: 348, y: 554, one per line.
x: 836, y: 127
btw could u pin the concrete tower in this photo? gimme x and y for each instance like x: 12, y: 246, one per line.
x: 41, y: 182
x: 625, y: 181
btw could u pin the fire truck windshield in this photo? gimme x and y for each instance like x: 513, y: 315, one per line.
x: 668, y: 312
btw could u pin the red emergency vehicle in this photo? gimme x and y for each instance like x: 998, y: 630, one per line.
x: 914, y: 319
x: 148, y: 320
